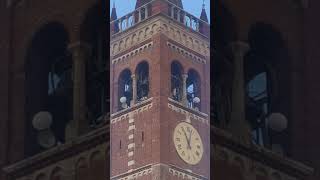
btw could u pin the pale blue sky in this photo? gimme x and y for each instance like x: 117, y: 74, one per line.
x: 192, y: 6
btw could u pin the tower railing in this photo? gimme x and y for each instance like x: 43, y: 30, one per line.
x: 164, y: 7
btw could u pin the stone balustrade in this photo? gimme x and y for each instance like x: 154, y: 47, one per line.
x: 171, y: 10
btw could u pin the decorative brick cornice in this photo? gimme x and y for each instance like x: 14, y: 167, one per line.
x: 132, y: 53
x: 196, y: 115
x: 160, y: 23
x: 133, y: 174
x: 184, y: 174
x: 136, y: 109
x: 186, y: 53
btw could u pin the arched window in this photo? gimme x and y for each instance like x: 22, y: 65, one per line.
x: 93, y: 33
x: 266, y: 74
x: 176, y: 81
x: 193, y: 89
x: 142, y: 75
x: 48, y: 85
x: 258, y: 107
x: 125, y: 89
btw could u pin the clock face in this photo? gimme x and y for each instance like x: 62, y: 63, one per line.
x: 188, y: 143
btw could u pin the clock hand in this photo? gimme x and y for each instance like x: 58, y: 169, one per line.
x: 185, y: 134
x: 190, y: 138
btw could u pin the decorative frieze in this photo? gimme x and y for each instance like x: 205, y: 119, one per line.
x: 134, y: 173
x: 132, y: 53
x: 186, y: 53
x: 159, y: 24
x: 184, y: 174
x: 131, y: 112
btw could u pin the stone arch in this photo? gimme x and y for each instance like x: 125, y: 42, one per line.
x: 269, y: 54
x: 177, y: 71
x: 142, y: 77
x: 82, y: 169
x: 41, y: 176
x: 276, y: 176
x: 56, y: 174
x: 124, y: 89
x: 193, y: 88
x: 98, y: 166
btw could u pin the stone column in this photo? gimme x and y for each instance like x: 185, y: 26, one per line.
x: 172, y: 12
x: 184, y: 89
x: 120, y: 25
x: 178, y: 15
x: 79, y: 123
x: 238, y: 124
x: 146, y: 12
x: 139, y: 14
x: 134, y: 89
x: 127, y: 21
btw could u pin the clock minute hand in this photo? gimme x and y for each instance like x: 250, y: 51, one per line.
x: 190, y: 139
x: 185, y: 134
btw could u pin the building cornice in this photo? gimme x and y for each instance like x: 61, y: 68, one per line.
x: 160, y: 23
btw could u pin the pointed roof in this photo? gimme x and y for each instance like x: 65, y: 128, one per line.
x: 203, y: 15
x: 113, y: 12
x: 140, y: 3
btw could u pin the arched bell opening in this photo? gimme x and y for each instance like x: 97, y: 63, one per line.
x: 142, y: 76
x: 176, y: 81
x: 193, y: 90
x: 125, y: 93
x: 48, y: 85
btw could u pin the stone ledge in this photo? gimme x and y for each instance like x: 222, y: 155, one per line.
x: 58, y: 153
x: 260, y: 154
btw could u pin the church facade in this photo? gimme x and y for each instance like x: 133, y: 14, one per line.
x: 159, y: 93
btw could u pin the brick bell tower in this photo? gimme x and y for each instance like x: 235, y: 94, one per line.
x: 160, y: 93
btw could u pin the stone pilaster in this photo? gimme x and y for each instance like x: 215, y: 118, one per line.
x: 79, y: 123
x: 184, y: 89
x: 238, y: 124
x: 134, y: 88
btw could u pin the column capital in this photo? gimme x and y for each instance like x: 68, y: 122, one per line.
x: 79, y: 45
x: 185, y: 75
x: 133, y: 76
x: 239, y: 47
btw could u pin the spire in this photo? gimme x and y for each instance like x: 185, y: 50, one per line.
x: 113, y: 12
x: 203, y: 15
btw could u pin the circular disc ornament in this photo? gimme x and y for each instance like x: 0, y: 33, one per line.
x: 42, y: 120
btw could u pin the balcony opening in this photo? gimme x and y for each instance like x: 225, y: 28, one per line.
x: 193, y: 90
x: 176, y: 81
x: 125, y: 89
x: 142, y: 73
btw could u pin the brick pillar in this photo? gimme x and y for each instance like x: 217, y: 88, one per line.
x: 134, y: 89
x: 184, y: 89
x: 79, y: 123
x: 238, y: 124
